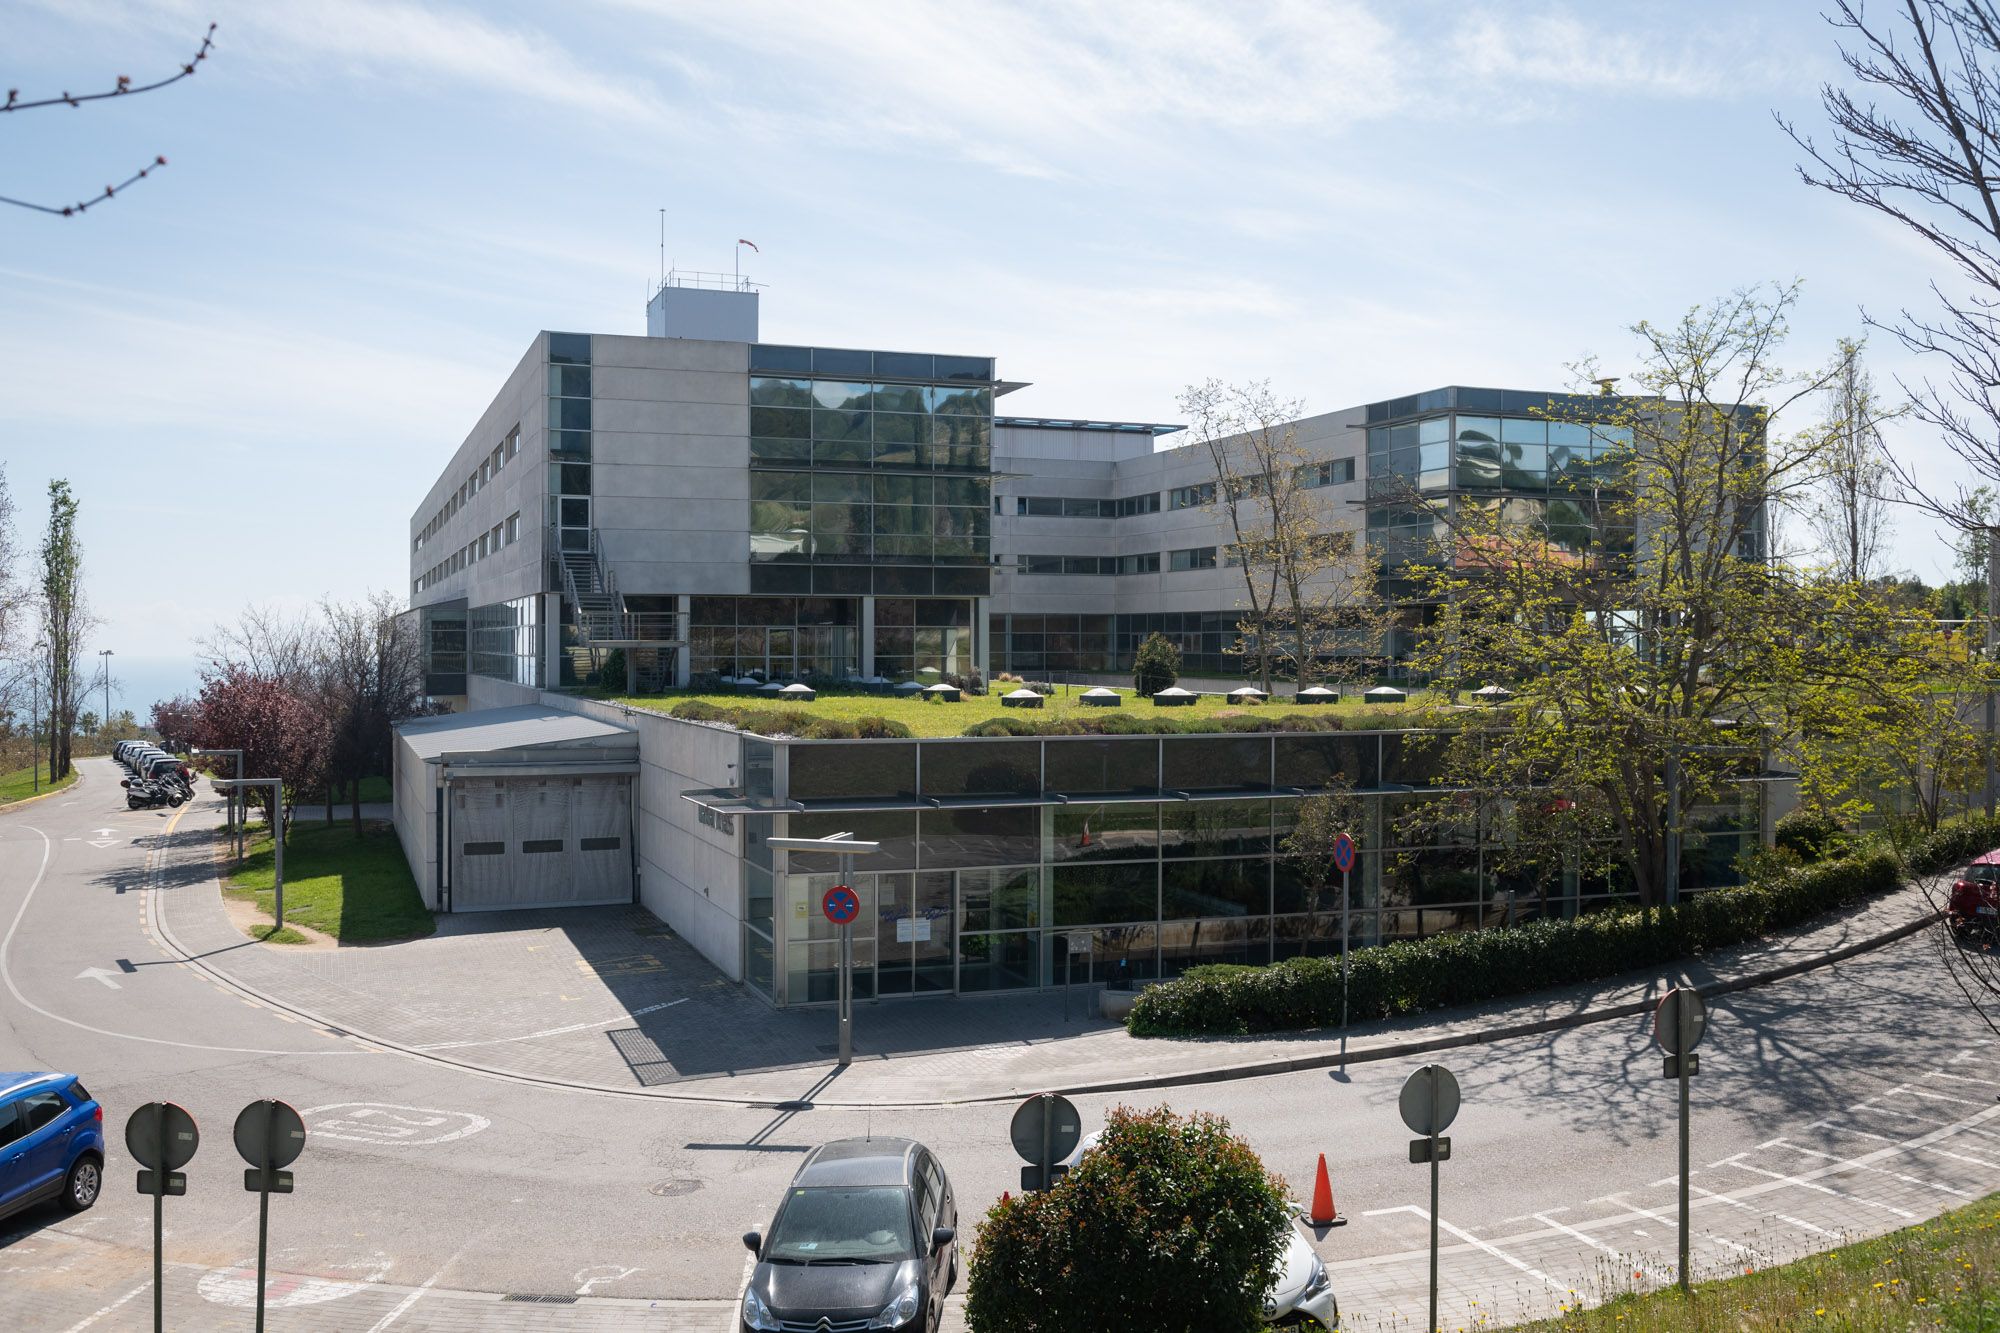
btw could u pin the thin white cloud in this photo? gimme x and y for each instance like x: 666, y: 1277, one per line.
x: 410, y: 45
x: 1024, y: 87
x: 1500, y: 56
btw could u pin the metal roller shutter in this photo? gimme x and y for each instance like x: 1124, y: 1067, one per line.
x: 601, y: 818
x: 540, y: 842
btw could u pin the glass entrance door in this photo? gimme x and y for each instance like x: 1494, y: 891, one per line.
x: 914, y: 918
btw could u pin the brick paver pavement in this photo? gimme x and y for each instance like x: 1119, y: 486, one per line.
x: 610, y: 998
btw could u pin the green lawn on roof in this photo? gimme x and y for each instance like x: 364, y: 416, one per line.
x: 926, y: 717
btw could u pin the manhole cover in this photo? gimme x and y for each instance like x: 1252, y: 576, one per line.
x: 673, y: 1189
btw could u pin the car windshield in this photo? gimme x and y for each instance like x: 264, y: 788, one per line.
x: 1982, y: 874
x: 842, y: 1225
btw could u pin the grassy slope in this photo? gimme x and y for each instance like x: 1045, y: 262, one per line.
x: 1942, y: 1274
x: 942, y: 719
x: 20, y: 784
x: 355, y: 889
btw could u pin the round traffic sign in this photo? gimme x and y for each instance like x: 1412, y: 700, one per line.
x: 1681, y: 1021
x: 1430, y: 1100
x: 1343, y: 853
x: 840, y: 905
x: 161, y: 1136
x: 270, y: 1134
x: 1063, y: 1125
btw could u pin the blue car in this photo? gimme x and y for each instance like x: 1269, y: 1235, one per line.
x: 51, y: 1142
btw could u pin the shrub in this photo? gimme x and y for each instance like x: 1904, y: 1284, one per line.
x: 1952, y: 844
x: 1412, y: 976
x: 1170, y: 1224
x: 789, y: 722
x: 1003, y: 726
x: 1156, y: 665
x: 1807, y: 833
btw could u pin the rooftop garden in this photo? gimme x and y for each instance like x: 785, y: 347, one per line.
x: 835, y: 714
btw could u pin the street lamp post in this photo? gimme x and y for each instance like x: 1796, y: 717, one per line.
x: 104, y: 656
x: 846, y: 848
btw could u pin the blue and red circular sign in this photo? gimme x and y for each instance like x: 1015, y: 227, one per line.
x: 1343, y: 853
x: 840, y: 905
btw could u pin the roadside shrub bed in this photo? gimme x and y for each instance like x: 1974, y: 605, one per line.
x: 1412, y: 976
x: 1953, y: 844
x: 792, y: 722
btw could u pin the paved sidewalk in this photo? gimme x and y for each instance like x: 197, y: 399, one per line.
x: 611, y: 999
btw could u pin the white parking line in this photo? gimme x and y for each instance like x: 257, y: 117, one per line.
x: 1664, y: 1220
x: 1478, y: 1244
x: 1928, y: 1147
x: 1798, y: 1222
x: 1903, y: 1213
x: 90, y: 1319
x: 1591, y: 1241
x: 1943, y: 1097
x: 1897, y: 1175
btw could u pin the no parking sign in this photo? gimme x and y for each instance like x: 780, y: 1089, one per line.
x: 840, y: 905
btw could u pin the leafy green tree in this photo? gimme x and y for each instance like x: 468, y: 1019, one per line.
x: 1156, y: 665
x: 65, y: 620
x: 1652, y: 644
x: 1169, y: 1224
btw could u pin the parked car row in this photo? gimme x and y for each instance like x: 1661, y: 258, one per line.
x: 154, y: 777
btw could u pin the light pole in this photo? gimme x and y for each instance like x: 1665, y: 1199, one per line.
x: 842, y: 912
x: 104, y: 656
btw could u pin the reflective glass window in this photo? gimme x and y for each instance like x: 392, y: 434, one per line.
x: 780, y: 423
x: 842, y: 361
x: 1112, y: 831
x: 982, y: 768
x: 1215, y: 828
x: 1088, y: 893
x: 1215, y: 888
x: 1516, y: 430
x: 1206, y: 763
x: 981, y: 836
x: 794, y: 486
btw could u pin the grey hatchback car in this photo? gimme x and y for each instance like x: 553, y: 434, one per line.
x: 866, y: 1238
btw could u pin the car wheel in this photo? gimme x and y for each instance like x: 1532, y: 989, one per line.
x: 80, y: 1189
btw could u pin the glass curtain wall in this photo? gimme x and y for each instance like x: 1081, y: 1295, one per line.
x: 504, y: 640
x: 1168, y: 851
x: 864, y: 481
x: 783, y: 637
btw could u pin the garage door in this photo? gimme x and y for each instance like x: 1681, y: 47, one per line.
x: 540, y: 842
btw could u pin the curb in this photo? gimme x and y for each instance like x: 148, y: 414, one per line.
x: 1390, y: 1050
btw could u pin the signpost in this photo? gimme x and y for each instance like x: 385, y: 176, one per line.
x: 277, y: 787
x: 162, y: 1138
x: 1045, y: 1130
x: 1429, y: 1104
x: 269, y: 1135
x: 841, y: 905
x: 1343, y: 861
x: 1679, y: 1024
x: 237, y: 810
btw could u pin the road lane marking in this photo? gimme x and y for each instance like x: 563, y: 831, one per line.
x: 413, y: 1297
x: 1664, y: 1220
x: 7, y: 977
x: 90, y: 1319
x: 394, y: 1126
x: 104, y: 975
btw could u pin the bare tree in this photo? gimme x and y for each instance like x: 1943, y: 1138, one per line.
x: 1848, y: 508
x: 268, y: 642
x: 1916, y: 142
x: 372, y: 677
x: 1246, y: 431
x: 123, y: 87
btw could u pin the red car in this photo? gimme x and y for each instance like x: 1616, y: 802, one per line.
x: 1974, y: 905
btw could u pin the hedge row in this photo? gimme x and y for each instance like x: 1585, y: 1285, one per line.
x: 1953, y: 844
x: 1113, y: 723
x: 1412, y: 976
x: 792, y: 722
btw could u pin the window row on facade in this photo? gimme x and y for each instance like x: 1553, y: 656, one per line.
x: 476, y: 481
x: 502, y: 534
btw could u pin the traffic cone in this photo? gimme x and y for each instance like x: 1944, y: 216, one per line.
x: 1003, y: 1196
x: 1323, y: 1214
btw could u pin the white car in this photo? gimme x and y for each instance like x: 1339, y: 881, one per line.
x: 1303, y: 1293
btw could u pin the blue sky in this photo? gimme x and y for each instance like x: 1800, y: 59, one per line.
x: 252, y: 366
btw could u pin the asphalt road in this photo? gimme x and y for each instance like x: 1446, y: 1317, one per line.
x: 1844, y: 1102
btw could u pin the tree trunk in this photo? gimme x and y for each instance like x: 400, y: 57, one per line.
x: 355, y: 791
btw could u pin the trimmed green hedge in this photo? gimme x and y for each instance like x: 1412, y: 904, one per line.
x: 1114, y: 723
x: 1412, y: 976
x: 1953, y: 844
x: 792, y: 722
